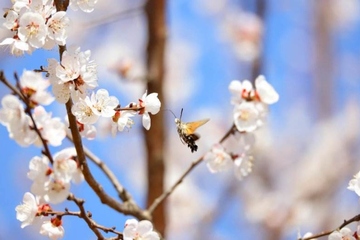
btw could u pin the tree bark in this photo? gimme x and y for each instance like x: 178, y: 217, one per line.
x: 324, y: 66
x: 156, y: 16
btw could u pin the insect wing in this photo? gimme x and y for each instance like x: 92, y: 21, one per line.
x: 190, y: 127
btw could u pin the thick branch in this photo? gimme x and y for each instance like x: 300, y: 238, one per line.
x: 128, y: 208
x: 155, y: 13
x: 123, y: 193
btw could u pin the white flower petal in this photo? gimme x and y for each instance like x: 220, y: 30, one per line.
x: 265, y: 91
x: 152, y: 103
x: 146, y: 121
x: 144, y: 226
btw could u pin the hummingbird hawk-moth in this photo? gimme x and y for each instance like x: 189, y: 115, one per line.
x: 186, y: 131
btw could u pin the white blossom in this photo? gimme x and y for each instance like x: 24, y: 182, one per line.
x: 344, y: 234
x: 151, y: 104
x: 241, y: 91
x: 83, y: 111
x: 53, y: 185
x: 87, y: 131
x: 265, y: 91
x: 11, y: 20
x: 12, y: 116
x: 74, y: 76
x: 34, y: 86
x: 65, y: 165
x: 53, y: 229
x: 52, y: 129
x: 57, y: 26
x: 354, y: 184
x: 102, y: 104
x: 85, y: 6
x: 32, y: 29
x: 122, y: 120
x: 38, y: 169
x: 19, y: 4
x: 246, y: 117
x: 26, y: 212
x: 217, y: 159
x: 243, y: 166
x: 56, y: 191
x: 17, y: 46
x: 142, y: 230
x: 69, y: 69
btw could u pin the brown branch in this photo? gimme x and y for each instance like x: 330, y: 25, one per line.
x: 345, y: 223
x: 61, y: 5
x: 91, y: 223
x: 134, y: 108
x: 11, y: 87
x: 87, y: 216
x: 123, y: 193
x: 166, y: 194
x: 84, y: 215
x: 128, y: 208
x: 156, y: 24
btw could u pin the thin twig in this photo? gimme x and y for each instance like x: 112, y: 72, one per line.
x: 166, y: 194
x: 84, y: 215
x: 345, y: 223
x: 114, y: 17
x: 28, y: 108
x: 11, y: 87
x: 122, y: 192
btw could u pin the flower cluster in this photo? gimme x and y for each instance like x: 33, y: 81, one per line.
x: 218, y: 160
x: 53, y: 184
x: 75, y: 77
x: 250, y: 104
x: 32, y: 209
x: 37, y: 24
x: 250, y: 108
x: 50, y: 186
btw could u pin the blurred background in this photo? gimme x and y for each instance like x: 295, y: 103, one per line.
x: 305, y: 155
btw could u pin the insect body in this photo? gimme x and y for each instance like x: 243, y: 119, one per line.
x: 186, y: 131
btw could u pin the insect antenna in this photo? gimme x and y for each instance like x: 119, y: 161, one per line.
x: 171, y: 112
x: 181, y: 113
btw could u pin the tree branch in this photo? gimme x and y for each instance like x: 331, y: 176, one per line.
x: 345, y: 223
x: 115, y: 16
x: 128, y: 208
x: 166, y: 194
x: 28, y: 108
x: 122, y: 192
x: 86, y: 216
